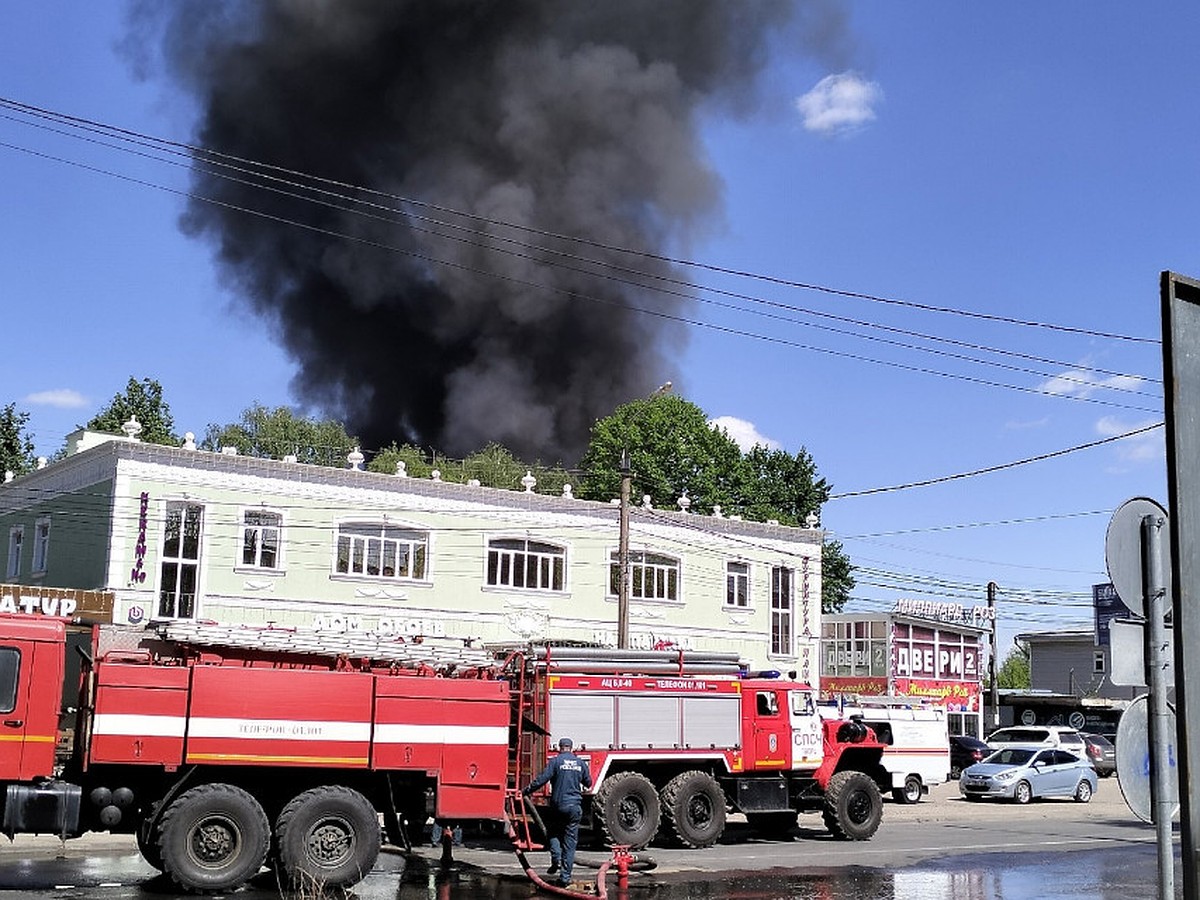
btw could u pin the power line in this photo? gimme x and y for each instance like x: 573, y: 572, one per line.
x: 997, y: 468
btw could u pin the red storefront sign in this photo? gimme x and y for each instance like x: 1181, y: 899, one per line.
x: 954, y: 695
x: 853, y: 684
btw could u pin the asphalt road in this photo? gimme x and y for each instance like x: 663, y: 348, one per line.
x: 942, y: 846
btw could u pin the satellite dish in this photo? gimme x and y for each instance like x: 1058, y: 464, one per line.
x: 1133, y: 760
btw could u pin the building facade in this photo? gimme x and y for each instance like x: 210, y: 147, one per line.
x: 928, y: 653
x: 179, y: 533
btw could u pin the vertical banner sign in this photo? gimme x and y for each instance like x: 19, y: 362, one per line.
x: 1181, y: 390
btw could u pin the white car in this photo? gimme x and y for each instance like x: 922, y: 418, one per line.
x: 1045, y: 735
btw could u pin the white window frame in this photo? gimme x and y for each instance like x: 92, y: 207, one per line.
x: 783, y: 611
x: 510, y: 561
x: 1098, y: 666
x: 16, y: 539
x: 736, y: 598
x: 173, y: 567
x: 665, y: 573
x: 362, y: 549
x: 41, y: 546
x: 247, y: 529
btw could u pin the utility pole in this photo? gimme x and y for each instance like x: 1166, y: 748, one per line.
x: 623, y: 556
x: 993, y: 668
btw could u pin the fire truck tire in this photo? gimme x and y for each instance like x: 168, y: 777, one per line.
x: 775, y: 825
x: 325, y: 838
x: 853, y: 806
x: 910, y: 793
x: 627, y: 809
x: 693, y: 809
x: 213, y: 838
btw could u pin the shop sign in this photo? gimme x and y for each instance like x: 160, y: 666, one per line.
x: 841, y: 685
x: 385, y: 626
x: 978, y: 616
x: 59, y: 602
x: 954, y: 695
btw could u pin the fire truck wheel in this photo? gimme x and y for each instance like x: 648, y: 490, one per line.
x: 628, y: 810
x: 693, y: 809
x: 772, y: 824
x: 910, y: 793
x: 327, y: 837
x: 213, y: 838
x: 853, y: 806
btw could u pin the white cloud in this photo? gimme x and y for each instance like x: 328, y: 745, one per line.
x: 1083, y: 383
x: 1019, y: 425
x: 744, y: 433
x: 1149, y: 446
x: 839, y: 103
x: 63, y: 398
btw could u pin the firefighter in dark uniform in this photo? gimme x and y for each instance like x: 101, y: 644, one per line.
x: 567, y: 776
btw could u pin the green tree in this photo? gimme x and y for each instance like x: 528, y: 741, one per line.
x: 837, y: 577
x: 16, y: 446
x: 279, y: 432
x: 1014, y: 671
x: 674, y: 450
x: 144, y: 401
x: 416, y: 466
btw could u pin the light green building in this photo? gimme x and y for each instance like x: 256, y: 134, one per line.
x: 189, y: 534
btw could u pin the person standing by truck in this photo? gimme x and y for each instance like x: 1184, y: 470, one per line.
x: 567, y: 776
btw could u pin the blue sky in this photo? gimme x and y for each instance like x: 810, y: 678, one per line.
x: 1031, y: 162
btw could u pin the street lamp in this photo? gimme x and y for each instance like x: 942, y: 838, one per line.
x: 623, y: 541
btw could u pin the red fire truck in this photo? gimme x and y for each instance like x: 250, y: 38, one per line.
x: 223, y: 748
x: 674, y: 740
x: 216, y: 746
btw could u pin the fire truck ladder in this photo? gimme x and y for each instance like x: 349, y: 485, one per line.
x: 409, y: 652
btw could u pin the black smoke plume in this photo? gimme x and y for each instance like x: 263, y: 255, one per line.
x: 570, y: 118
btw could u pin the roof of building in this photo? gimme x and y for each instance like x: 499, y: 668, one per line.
x: 88, y: 465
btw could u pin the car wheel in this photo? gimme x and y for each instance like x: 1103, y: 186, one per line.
x: 910, y: 793
x: 1022, y: 793
x: 1083, y: 793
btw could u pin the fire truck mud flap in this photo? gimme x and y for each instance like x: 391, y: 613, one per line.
x: 213, y: 837
x: 327, y: 837
x: 626, y: 809
x: 853, y: 806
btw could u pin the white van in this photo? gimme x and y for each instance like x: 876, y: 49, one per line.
x: 918, y: 753
x: 1050, y: 735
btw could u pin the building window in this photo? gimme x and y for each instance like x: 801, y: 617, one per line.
x: 737, y: 584
x: 41, y: 545
x: 16, y: 536
x: 532, y: 565
x: 652, y: 576
x: 180, y: 561
x: 378, y: 550
x: 260, y: 539
x: 782, y: 611
x: 1098, y: 666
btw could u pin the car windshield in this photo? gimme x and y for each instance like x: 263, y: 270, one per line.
x: 1029, y: 735
x: 1012, y: 756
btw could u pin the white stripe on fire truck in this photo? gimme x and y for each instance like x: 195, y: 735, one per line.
x: 408, y: 733
x: 139, y: 725
x: 278, y: 729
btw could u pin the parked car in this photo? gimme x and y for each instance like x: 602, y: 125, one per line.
x: 1046, y: 735
x: 965, y: 751
x: 1102, y: 753
x: 1021, y: 773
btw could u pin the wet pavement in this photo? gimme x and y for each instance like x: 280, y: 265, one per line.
x: 940, y: 849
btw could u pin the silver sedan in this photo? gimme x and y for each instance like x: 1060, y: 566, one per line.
x: 1023, y: 772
